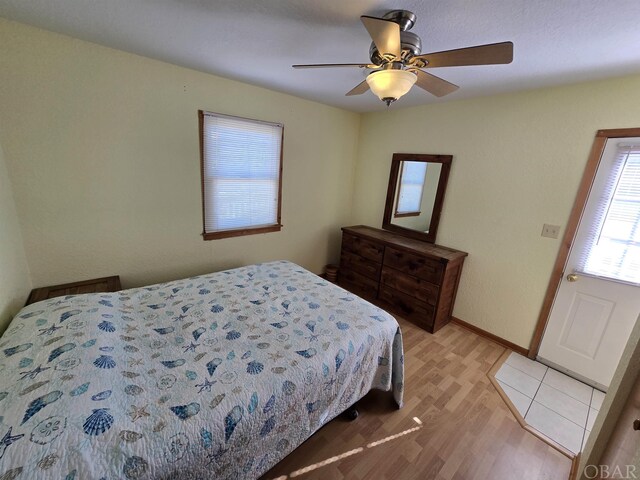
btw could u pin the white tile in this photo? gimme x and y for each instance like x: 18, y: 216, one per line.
x: 561, y: 403
x: 518, y: 380
x: 593, y: 413
x: 519, y: 400
x: 531, y: 368
x: 568, y: 385
x: 555, y: 426
x: 597, y: 399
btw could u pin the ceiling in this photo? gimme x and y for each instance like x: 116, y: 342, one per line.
x: 555, y: 41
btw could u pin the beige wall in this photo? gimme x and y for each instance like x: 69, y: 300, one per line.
x: 15, y: 283
x: 102, y: 150
x: 517, y: 162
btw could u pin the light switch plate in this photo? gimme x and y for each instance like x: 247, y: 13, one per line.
x: 550, y: 231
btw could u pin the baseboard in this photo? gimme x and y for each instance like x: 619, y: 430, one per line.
x: 491, y: 336
x: 575, y: 464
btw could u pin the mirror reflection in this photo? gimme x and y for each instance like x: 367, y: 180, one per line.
x: 416, y: 195
x: 417, y: 183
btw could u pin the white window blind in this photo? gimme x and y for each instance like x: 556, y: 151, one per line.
x: 241, y: 172
x: 613, y: 245
x: 411, y: 186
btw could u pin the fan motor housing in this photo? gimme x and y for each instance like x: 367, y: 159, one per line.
x: 404, y: 18
x: 410, y: 44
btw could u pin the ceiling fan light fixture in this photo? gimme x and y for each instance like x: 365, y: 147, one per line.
x: 390, y: 85
x: 397, y: 58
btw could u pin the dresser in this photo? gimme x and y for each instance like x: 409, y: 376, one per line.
x: 414, y: 279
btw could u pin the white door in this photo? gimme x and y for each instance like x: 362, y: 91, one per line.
x: 598, y: 300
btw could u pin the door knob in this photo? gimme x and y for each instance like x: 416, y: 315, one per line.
x: 636, y: 424
x: 572, y: 277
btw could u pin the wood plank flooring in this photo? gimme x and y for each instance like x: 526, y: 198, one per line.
x: 467, y: 431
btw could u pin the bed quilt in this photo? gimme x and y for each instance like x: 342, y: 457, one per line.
x: 217, y: 376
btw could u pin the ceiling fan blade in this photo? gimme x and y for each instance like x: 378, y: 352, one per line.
x: 335, y: 65
x: 358, y: 89
x: 490, y: 54
x: 384, y: 33
x: 434, y: 85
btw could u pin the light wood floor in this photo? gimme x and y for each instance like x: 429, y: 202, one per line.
x: 468, y: 433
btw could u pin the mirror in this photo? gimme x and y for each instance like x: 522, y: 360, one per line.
x: 417, y: 183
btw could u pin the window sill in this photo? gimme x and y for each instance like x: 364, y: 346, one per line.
x: 406, y: 214
x: 240, y: 232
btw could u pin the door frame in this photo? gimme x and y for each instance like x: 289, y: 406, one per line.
x: 579, y: 203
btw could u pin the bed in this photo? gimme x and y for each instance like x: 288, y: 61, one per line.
x: 216, y: 376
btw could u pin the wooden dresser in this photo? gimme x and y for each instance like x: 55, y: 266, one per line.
x: 415, y: 279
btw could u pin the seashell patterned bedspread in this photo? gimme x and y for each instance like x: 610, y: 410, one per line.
x: 218, y: 376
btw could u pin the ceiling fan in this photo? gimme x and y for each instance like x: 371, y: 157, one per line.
x: 396, y: 59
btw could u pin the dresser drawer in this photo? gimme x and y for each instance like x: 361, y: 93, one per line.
x: 360, y: 264
x: 363, y: 247
x: 419, y: 266
x: 407, y: 306
x: 413, y: 286
x: 357, y: 283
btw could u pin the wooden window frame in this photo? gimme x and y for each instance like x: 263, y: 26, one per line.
x: 238, y: 232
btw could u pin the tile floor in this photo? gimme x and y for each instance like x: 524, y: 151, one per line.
x: 553, y: 403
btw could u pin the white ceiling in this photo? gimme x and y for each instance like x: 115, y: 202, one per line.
x: 257, y: 41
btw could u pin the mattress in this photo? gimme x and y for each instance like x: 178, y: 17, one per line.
x: 216, y: 376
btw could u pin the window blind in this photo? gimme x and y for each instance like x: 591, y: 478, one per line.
x: 411, y: 186
x: 613, y: 241
x: 241, y: 172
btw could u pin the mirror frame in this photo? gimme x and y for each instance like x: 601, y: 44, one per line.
x: 396, y: 161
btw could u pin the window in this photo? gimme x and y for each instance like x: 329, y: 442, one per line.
x: 613, y: 247
x: 241, y: 175
x: 411, y: 185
